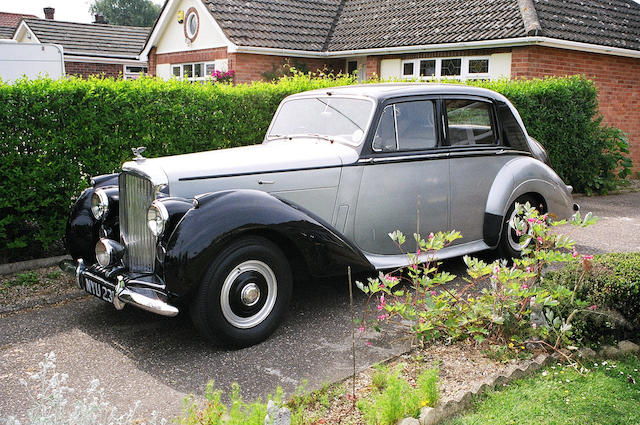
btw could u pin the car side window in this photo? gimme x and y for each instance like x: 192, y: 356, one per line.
x: 406, y: 126
x: 469, y: 122
x: 511, y: 131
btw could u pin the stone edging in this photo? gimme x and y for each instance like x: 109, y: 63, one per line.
x: 450, y: 407
x: 38, y: 263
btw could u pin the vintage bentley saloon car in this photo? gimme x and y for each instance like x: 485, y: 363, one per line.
x: 223, y: 233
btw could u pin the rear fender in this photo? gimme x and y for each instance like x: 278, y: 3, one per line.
x: 219, y: 218
x: 518, y: 177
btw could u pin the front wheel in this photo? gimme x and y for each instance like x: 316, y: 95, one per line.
x: 244, y: 293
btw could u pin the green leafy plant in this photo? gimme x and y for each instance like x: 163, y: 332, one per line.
x: 397, y: 399
x: 501, y: 301
x: 215, y: 412
x: 29, y: 278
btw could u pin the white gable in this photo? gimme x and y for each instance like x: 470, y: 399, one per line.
x: 168, y: 34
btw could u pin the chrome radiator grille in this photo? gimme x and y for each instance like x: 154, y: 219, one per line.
x: 136, y: 195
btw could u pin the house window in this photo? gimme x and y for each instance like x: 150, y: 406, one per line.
x: 451, y: 67
x: 478, y: 66
x: 428, y: 68
x: 132, y: 72
x: 191, y: 24
x: 462, y: 68
x: 199, y: 71
x: 407, y: 69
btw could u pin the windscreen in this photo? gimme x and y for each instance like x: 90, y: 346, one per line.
x: 342, y: 119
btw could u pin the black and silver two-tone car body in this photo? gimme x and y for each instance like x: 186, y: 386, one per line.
x: 224, y: 232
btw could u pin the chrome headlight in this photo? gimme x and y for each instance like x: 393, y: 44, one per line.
x: 108, y: 252
x: 157, y: 217
x: 99, y: 204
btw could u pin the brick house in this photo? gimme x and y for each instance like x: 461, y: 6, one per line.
x: 89, y: 49
x: 424, y: 39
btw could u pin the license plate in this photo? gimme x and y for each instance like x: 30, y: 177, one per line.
x: 98, y: 289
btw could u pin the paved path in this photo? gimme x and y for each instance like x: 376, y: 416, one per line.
x: 140, y: 356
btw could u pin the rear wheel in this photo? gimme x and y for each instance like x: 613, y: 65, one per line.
x: 244, y: 293
x: 510, y: 245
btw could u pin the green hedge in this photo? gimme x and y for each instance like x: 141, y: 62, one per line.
x: 55, y: 134
x: 612, y: 285
x: 562, y: 114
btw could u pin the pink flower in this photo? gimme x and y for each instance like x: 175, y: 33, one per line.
x: 418, y: 251
x: 433, y: 293
x: 587, y: 257
x: 593, y: 307
x: 368, y: 343
x: 414, y: 266
x: 391, y: 278
x: 496, y: 270
x: 528, y: 269
x: 421, y: 320
x: 539, y: 239
x: 361, y: 328
x: 525, y: 286
x: 531, y: 220
x: 431, y: 235
x: 382, y: 316
x: 575, y: 253
x: 519, y: 233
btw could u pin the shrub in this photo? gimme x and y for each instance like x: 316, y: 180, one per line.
x: 51, y: 404
x: 610, y: 286
x: 501, y: 301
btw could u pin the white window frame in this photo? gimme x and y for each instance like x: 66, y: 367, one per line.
x: 127, y: 75
x: 204, y: 76
x: 190, y: 17
x: 464, y: 69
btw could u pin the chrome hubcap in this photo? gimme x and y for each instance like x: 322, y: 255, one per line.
x: 250, y: 294
x: 514, y: 239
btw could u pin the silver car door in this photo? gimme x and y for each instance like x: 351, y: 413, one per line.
x: 405, y: 184
x: 475, y: 160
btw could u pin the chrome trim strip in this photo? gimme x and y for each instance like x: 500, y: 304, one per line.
x: 381, y: 262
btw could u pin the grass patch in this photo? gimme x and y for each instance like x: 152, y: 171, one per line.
x: 608, y: 393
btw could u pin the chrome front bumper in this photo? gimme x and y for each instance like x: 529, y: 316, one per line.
x: 132, y: 292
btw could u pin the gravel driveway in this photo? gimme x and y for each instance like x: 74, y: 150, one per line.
x: 140, y: 356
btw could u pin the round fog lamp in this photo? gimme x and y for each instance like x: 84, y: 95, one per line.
x: 157, y: 217
x: 108, y: 252
x: 99, y: 204
x: 104, y: 253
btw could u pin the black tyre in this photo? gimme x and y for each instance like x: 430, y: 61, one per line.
x: 244, y: 293
x: 509, y: 245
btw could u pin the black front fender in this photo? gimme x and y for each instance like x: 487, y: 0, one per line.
x: 221, y: 217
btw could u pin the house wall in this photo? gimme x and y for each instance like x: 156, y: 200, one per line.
x: 84, y: 69
x: 390, y: 66
x: 250, y: 67
x: 617, y: 79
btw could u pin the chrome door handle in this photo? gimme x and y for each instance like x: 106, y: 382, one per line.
x: 266, y: 182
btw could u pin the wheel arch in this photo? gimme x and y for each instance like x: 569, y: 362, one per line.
x: 311, y: 245
x: 520, y: 177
